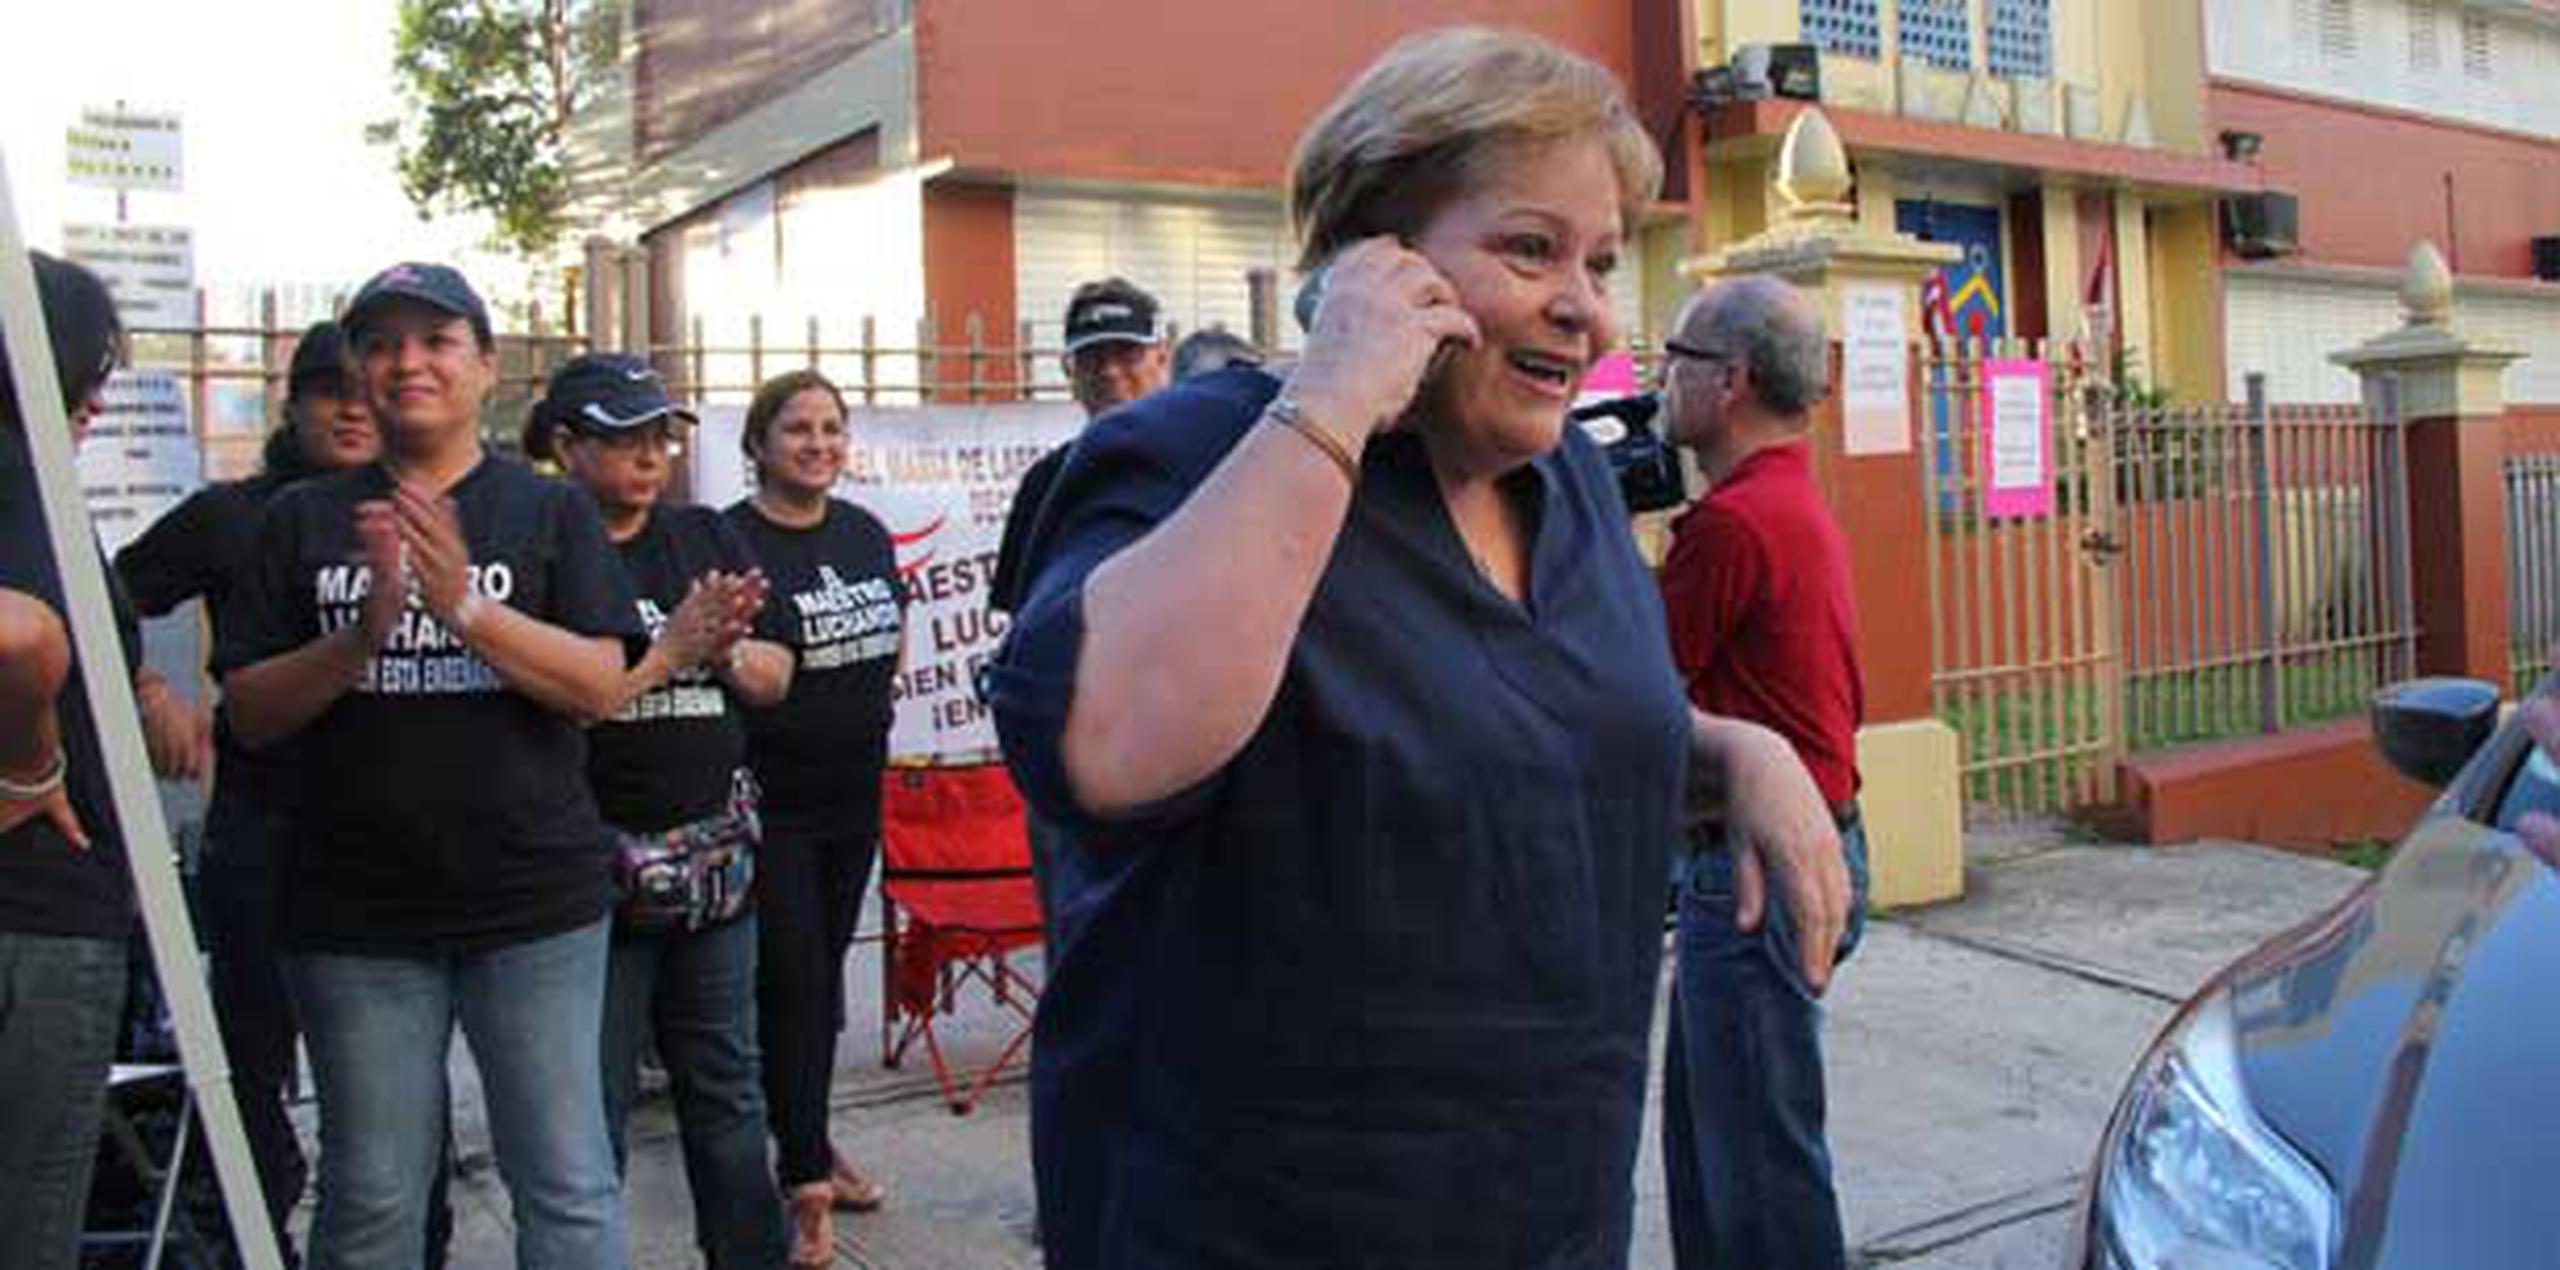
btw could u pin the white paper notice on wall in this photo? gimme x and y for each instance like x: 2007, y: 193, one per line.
x: 1875, y: 371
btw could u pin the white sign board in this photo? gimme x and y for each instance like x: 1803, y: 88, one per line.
x: 140, y: 457
x: 114, y: 148
x: 150, y: 269
x: 941, y: 478
x: 1875, y: 371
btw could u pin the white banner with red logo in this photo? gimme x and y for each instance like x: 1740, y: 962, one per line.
x: 941, y: 478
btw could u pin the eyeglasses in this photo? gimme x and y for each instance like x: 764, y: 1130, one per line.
x: 1675, y: 349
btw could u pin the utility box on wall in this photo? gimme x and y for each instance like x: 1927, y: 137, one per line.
x: 2262, y: 226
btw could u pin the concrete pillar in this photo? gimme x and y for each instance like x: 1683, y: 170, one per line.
x: 2450, y: 389
x: 1912, y: 799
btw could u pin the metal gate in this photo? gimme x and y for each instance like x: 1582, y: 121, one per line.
x: 2023, y: 650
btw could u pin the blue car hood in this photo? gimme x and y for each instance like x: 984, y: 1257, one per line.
x: 2409, y: 1045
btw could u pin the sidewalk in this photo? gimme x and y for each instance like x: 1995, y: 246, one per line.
x: 1975, y: 1050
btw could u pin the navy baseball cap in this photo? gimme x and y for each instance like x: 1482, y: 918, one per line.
x: 605, y: 395
x: 1112, y: 311
x: 440, y: 287
x: 319, y: 357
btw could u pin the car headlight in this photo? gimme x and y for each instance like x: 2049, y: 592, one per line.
x: 2193, y: 1180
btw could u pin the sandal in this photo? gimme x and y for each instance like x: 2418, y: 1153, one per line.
x: 813, y: 1226
x: 854, y: 1192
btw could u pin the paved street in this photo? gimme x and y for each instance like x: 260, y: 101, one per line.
x: 1975, y: 1051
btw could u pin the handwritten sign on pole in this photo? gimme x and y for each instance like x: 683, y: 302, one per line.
x: 2017, y: 438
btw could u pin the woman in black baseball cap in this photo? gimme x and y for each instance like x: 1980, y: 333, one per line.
x: 668, y: 772
x: 434, y: 629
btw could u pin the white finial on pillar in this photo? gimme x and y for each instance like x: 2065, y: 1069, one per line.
x: 1813, y: 170
x: 2426, y: 287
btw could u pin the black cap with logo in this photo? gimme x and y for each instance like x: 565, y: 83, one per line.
x: 440, y: 287
x: 1114, y: 310
x: 605, y: 395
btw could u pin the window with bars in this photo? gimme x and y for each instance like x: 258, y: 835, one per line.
x: 2021, y: 37
x: 1848, y: 27
x: 2423, y: 54
x: 1938, y: 32
x: 2479, y: 47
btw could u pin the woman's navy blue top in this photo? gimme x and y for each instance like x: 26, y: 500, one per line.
x: 1377, y: 992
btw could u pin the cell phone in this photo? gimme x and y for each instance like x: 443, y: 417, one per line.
x: 1311, y: 296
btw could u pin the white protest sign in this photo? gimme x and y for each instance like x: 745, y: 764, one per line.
x: 114, y: 148
x: 1875, y: 371
x: 140, y: 457
x: 941, y: 478
x: 150, y: 269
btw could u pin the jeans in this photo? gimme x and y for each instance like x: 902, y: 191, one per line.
x: 379, y: 1030
x: 1745, y: 1164
x: 811, y: 872
x: 237, y: 886
x: 60, y: 997
x: 695, y: 991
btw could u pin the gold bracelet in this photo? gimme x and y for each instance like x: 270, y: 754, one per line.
x: 1285, y: 412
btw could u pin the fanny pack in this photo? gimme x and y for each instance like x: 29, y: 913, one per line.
x: 696, y: 875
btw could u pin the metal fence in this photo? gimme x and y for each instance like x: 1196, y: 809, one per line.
x: 2266, y: 576
x: 2533, y: 566
x: 2204, y: 572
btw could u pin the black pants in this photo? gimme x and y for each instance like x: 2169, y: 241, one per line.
x: 237, y: 887
x: 811, y: 871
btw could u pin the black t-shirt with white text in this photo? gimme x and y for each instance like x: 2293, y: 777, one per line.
x: 837, y: 603
x: 48, y: 886
x: 668, y: 757
x: 436, y: 808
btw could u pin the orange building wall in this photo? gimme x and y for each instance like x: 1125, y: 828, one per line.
x: 2372, y: 181
x: 1177, y: 90
x: 968, y: 268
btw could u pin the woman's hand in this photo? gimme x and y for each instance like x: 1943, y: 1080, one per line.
x: 1780, y: 827
x: 717, y: 611
x: 386, y: 560
x: 439, y: 556
x: 1384, y: 315
x: 177, y: 733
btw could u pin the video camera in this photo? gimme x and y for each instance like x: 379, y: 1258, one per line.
x: 1648, y: 469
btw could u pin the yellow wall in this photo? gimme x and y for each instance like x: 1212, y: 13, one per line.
x: 2186, y: 301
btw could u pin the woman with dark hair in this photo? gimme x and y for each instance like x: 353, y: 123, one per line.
x: 66, y: 901
x: 205, y: 548
x: 818, y: 757
x: 1351, y: 697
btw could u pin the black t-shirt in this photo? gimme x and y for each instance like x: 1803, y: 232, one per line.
x: 47, y: 886
x: 435, y: 808
x: 668, y: 757
x: 1005, y: 593
x: 837, y: 602
x: 206, y: 546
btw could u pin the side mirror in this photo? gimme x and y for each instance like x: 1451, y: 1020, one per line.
x: 2429, y: 728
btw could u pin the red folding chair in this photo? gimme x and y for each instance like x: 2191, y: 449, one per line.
x: 957, y: 907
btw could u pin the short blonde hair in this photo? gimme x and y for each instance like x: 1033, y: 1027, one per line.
x: 1418, y: 127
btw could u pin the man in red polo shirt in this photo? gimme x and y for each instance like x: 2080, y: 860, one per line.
x: 1762, y: 628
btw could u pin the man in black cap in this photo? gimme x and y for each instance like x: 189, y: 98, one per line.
x: 667, y: 772
x: 431, y: 631
x: 205, y: 548
x: 1115, y: 354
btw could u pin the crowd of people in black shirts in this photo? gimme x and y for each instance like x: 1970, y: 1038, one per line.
x: 1356, y: 740
x: 541, y: 761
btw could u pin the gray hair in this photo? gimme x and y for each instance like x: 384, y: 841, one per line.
x: 1771, y: 329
